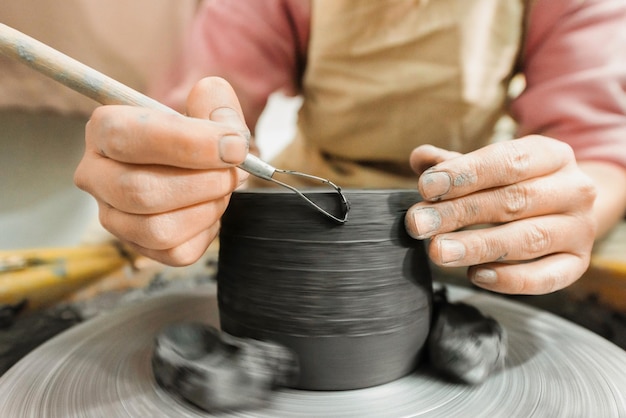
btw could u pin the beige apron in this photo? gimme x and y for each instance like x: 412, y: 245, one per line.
x: 383, y: 77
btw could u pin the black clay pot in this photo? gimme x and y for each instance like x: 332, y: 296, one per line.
x: 353, y: 301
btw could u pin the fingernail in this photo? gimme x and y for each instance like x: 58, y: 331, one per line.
x: 427, y: 221
x: 233, y: 149
x: 484, y: 276
x: 451, y: 251
x: 435, y: 185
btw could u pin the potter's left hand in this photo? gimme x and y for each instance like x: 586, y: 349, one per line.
x: 537, y: 204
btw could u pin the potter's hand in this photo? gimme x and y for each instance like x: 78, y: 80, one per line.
x: 537, y: 200
x: 163, y: 181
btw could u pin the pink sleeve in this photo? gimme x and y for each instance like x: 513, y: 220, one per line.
x: 575, y: 67
x: 258, y: 46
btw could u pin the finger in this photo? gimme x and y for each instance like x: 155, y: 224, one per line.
x: 165, y: 230
x: 210, y: 96
x: 522, y: 240
x: 184, y: 254
x: 563, y: 192
x: 214, y: 98
x: 426, y: 156
x: 545, y: 275
x: 494, y: 165
x: 151, y: 189
x: 145, y: 136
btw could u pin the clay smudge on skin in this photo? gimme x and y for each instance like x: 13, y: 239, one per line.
x: 436, y: 183
x: 463, y: 179
x: 427, y: 221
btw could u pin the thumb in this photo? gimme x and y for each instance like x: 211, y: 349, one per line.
x: 213, y: 98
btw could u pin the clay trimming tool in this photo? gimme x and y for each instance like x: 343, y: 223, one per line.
x: 105, y: 90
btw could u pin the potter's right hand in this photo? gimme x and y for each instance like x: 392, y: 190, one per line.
x: 162, y: 181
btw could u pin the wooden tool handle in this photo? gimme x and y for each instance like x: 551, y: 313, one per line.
x: 71, y: 73
x: 91, y: 83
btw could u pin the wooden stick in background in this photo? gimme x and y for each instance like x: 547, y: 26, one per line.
x: 13, y: 260
x: 44, y: 276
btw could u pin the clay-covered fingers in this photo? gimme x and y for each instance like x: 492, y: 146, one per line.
x: 565, y: 191
x: 542, y: 276
x: 513, y: 257
x: 522, y: 240
x: 495, y: 165
x: 533, y: 203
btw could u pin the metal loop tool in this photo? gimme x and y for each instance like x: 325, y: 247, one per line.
x: 261, y: 169
x: 105, y: 90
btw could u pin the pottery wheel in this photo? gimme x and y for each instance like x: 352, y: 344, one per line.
x: 101, y: 368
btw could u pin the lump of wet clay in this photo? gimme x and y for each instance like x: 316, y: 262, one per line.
x: 464, y: 344
x: 217, y: 371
